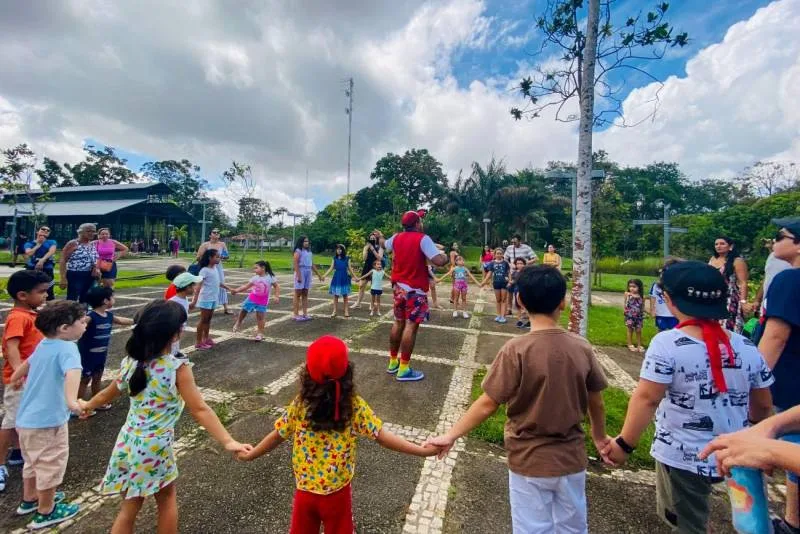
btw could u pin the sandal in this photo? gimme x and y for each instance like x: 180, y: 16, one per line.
x: 631, y: 348
x: 104, y: 407
x: 640, y: 348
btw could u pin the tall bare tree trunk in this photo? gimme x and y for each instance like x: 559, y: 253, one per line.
x: 582, y: 244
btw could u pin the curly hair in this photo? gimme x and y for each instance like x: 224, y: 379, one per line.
x: 320, y: 401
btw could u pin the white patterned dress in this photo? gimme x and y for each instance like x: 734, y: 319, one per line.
x: 143, y: 461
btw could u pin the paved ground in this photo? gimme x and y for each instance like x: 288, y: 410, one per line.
x: 248, y: 382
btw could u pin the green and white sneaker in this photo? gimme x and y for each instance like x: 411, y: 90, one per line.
x: 61, y: 512
x: 28, y: 507
x: 392, y: 369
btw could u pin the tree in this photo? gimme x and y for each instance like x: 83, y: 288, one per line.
x: 609, y: 49
x: 412, y: 180
x: 101, y: 167
x: 52, y: 174
x: 17, y: 178
x: 254, y: 213
x: 183, y: 177
x: 770, y: 177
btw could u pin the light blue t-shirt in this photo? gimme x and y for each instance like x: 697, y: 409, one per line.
x: 209, y: 292
x: 43, y: 404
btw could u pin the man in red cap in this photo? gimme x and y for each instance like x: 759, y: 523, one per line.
x: 412, y: 248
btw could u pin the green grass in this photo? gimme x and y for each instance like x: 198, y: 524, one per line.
x: 278, y: 260
x: 616, y: 405
x: 619, y: 282
x: 122, y: 283
x: 607, y: 326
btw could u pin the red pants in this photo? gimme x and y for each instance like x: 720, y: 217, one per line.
x: 334, y: 512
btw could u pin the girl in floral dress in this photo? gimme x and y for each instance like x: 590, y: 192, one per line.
x: 158, y: 383
x: 634, y: 313
x: 322, y: 423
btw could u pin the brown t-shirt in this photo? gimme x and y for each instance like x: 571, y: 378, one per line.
x: 545, y: 378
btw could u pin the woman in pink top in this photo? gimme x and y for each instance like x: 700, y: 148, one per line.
x: 108, y: 252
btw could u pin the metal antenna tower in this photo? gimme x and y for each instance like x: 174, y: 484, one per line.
x: 348, y: 92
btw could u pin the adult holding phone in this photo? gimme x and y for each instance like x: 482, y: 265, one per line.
x: 40, y: 254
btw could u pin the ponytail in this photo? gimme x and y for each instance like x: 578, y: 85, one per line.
x: 157, y: 325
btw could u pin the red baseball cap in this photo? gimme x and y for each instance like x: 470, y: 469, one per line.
x: 410, y: 218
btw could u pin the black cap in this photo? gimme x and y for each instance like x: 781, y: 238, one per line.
x: 697, y: 289
x: 790, y: 223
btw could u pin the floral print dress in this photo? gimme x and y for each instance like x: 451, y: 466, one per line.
x: 143, y: 460
x: 634, y: 311
x: 735, y: 320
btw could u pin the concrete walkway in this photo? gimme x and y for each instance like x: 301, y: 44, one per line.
x: 249, y: 382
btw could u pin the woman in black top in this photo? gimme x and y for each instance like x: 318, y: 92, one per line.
x: 372, y: 251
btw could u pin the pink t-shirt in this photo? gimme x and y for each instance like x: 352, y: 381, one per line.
x: 259, y: 292
x: 105, y: 250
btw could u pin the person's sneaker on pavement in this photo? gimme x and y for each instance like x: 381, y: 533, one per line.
x: 61, y: 512
x: 28, y: 507
x: 409, y: 375
x: 502, y: 320
x: 15, y: 457
x: 393, y: 366
x: 3, y: 477
x: 455, y: 314
x: 465, y: 315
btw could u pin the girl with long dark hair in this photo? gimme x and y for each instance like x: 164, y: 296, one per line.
x: 303, y: 266
x: 158, y: 384
x: 733, y: 267
x: 342, y: 277
x: 327, y: 415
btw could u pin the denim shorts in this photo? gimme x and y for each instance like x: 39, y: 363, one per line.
x: 248, y: 306
x: 790, y: 438
x: 207, y: 304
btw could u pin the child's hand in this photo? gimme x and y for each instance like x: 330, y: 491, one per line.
x: 443, y: 443
x: 613, y: 454
x: 431, y: 450
x: 19, y: 382
x: 244, y: 456
x: 192, y: 306
x: 235, y: 446
x: 277, y: 300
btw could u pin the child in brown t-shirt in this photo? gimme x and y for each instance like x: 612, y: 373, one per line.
x: 549, y: 379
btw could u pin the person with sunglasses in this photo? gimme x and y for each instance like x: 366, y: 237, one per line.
x: 40, y: 253
x: 780, y: 346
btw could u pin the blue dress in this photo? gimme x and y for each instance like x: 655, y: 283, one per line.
x: 340, y: 285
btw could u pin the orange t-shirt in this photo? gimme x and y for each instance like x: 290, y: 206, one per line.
x: 20, y: 324
x: 170, y: 292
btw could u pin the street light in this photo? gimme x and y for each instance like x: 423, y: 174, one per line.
x: 204, y: 202
x: 486, y: 222
x: 294, y: 217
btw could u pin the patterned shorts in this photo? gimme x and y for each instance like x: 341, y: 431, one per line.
x: 410, y: 307
x: 460, y: 286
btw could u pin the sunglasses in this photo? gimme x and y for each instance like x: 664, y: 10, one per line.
x: 780, y: 236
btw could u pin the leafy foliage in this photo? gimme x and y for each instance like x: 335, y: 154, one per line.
x: 101, y: 167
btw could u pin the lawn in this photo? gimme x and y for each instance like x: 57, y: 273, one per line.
x: 278, y: 260
x: 616, y: 404
x: 128, y: 279
x: 607, y: 326
x: 619, y: 282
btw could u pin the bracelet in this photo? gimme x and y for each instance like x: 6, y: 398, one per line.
x: 626, y: 448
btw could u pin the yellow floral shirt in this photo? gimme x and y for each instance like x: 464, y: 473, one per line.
x: 324, y: 462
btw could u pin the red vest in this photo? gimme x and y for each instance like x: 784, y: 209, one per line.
x: 409, y: 263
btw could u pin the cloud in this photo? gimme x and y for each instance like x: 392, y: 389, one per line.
x: 263, y: 83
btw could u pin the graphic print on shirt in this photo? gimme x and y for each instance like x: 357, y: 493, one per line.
x: 694, y: 410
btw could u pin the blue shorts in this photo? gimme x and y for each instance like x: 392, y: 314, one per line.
x: 305, y: 279
x: 93, y: 363
x: 249, y: 306
x: 376, y: 291
x: 790, y: 438
x: 665, y: 323
x: 207, y: 304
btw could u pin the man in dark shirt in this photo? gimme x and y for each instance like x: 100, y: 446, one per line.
x: 40, y: 253
x: 780, y: 345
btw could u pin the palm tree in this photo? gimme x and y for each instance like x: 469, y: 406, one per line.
x: 525, y: 206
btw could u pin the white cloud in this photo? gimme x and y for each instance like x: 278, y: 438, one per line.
x: 262, y: 84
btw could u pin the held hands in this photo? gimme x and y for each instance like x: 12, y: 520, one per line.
x: 612, y: 454
x: 442, y: 443
x: 238, y: 448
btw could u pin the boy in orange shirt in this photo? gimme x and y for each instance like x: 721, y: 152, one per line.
x: 20, y: 338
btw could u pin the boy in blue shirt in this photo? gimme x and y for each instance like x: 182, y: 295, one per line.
x: 53, y: 375
x: 39, y: 253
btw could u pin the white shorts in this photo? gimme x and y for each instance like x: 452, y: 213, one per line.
x: 543, y: 505
x: 11, y: 400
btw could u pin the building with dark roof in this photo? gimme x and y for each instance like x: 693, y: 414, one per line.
x: 132, y: 211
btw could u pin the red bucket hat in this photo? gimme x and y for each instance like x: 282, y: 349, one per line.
x: 326, y: 360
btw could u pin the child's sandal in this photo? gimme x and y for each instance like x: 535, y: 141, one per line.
x: 640, y: 348
x: 631, y: 348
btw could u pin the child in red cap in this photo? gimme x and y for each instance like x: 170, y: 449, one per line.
x: 322, y: 423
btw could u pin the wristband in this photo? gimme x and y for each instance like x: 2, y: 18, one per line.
x: 627, y: 449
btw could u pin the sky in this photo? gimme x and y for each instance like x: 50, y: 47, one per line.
x: 262, y: 82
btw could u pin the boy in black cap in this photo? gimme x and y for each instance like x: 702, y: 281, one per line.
x: 699, y: 381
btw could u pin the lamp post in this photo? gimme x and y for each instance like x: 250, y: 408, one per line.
x: 294, y: 217
x: 486, y: 222
x: 204, y: 202
x: 665, y: 222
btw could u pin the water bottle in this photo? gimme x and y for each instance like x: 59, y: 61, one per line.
x: 747, y: 490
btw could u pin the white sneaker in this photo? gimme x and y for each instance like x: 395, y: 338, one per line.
x: 3, y: 477
x: 372, y: 313
x: 455, y: 314
x: 465, y: 315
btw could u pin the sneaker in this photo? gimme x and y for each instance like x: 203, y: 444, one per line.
x: 15, y: 457
x: 308, y: 317
x: 465, y: 315
x: 502, y: 320
x: 519, y: 324
x: 202, y: 346
x: 259, y: 337
x: 61, y: 512
x: 372, y: 313
x: 4, y: 475
x: 455, y: 314
x: 392, y: 369
x: 410, y: 376
x: 27, y: 507
x: 210, y: 342
x: 497, y: 319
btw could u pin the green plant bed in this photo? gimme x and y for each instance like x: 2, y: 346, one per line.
x: 616, y: 404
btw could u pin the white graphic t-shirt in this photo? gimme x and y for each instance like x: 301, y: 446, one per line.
x: 694, y: 411
x: 259, y: 291
x: 661, y: 308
